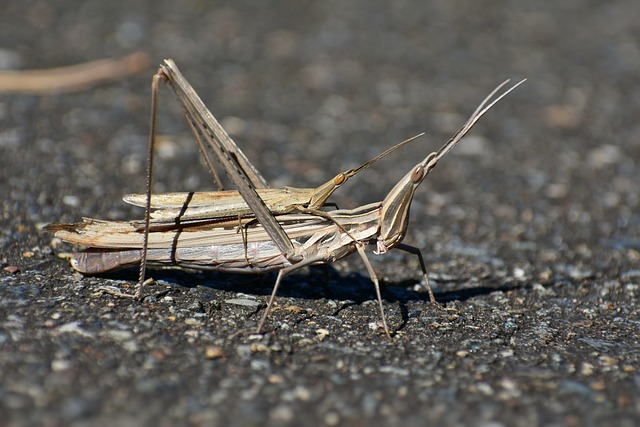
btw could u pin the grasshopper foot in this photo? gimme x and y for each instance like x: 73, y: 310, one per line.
x: 137, y: 295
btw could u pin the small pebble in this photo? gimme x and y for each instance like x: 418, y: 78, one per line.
x: 12, y: 269
x: 243, y: 302
x: 213, y: 352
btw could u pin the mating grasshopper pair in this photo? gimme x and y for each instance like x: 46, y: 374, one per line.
x: 253, y: 229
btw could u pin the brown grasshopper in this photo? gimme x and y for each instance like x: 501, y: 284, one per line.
x: 283, y: 242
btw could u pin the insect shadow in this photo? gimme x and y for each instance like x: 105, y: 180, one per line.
x: 325, y: 282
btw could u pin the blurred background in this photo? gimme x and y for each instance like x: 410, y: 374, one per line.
x: 317, y: 87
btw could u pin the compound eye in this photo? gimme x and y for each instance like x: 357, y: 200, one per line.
x: 339, y: 179
x: 417, y: 174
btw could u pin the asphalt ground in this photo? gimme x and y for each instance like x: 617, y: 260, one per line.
x: 530, y: 227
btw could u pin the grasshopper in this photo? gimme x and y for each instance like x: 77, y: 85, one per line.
x: 187, y: 207
x: 284, y: 242
x: 215, y: 143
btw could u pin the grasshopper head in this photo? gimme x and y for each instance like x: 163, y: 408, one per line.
x: 394, y: 212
